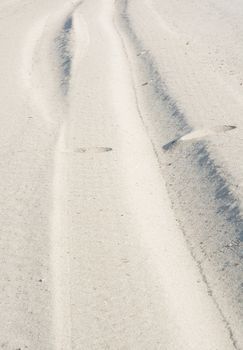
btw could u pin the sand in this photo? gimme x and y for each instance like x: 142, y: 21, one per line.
x: 120, y: 210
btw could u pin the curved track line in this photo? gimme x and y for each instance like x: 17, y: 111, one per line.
x: 62, y: 318
x: 39, y: 55
x: 39, y: 73
x: 138, y: 45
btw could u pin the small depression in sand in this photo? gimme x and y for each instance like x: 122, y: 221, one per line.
x: 92, y: 150
x: 89, y: 150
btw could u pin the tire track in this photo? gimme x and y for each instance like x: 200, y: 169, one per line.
x: 52, y: 46
x: 187, y: 156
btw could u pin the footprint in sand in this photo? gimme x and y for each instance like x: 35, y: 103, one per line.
x: 92, y: 150
x: 89, y: 150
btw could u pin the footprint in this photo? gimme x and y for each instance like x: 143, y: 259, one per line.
x: 89, y: 150
x: 198, y: 134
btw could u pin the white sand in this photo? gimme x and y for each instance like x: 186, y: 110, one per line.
x: 92, y: 256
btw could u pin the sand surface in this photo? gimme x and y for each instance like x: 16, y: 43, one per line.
x: 121, y: 175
